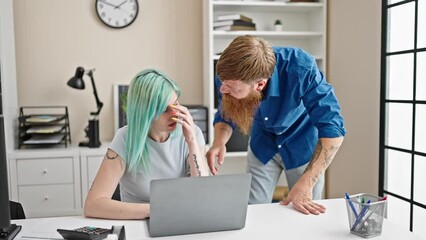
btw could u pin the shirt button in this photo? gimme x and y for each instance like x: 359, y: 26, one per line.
x: 266, y: 118
x: 279, y: 146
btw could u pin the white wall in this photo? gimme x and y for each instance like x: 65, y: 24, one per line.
x: 8, y: 71
x: 53, y: 37
x: 354, y: 31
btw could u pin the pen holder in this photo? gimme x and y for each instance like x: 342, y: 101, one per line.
x: 365, y: 214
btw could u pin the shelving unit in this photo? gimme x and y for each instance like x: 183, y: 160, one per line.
x: 41, y: 126
x: 304, y: 26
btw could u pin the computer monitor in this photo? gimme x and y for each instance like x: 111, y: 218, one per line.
x: 7, y: 230
x: 120, y: 98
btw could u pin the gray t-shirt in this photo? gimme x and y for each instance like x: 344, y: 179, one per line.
x: 167, y: 160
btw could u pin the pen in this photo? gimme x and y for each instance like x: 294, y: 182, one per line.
x: 29, y: 237
x: 369, y: 214
x: 372, y: 212
x: 361, y: 215
x: 351, y: 204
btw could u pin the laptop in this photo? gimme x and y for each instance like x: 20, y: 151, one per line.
x: 198, y: 204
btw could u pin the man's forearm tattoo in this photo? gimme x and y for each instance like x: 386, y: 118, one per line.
x: 111, y: 157
x: 317, y: 153
x: 328, y: 157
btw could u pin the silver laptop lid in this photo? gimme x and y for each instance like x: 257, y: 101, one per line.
x: 198, y: 204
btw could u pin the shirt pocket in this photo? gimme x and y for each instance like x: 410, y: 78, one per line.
x: 282, y: 120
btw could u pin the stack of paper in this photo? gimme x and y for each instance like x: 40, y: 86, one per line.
x: 42, y: 118
x: 45, y: 139
x: 45, y: 129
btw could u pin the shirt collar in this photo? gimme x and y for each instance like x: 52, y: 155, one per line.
x: 274, y: 84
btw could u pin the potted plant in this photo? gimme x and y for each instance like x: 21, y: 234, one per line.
x: 278, y: 25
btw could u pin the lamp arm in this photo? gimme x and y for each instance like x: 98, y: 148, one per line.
x: 99, y: 104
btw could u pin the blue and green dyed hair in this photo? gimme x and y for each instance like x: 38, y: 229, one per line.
x: 147, y: 98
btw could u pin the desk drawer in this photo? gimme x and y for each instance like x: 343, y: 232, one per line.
x: 45, y: 171
x: 47, y: 197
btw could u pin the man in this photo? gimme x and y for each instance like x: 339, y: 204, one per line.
x: 279, y: 96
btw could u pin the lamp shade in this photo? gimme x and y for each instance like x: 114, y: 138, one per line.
x: 77, y: 81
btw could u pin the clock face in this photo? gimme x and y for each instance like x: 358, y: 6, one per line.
x: 117, y: 13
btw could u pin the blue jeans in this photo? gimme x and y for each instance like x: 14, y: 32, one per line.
x: 265, y: 178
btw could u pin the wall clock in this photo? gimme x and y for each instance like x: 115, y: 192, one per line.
x: 117, y: 13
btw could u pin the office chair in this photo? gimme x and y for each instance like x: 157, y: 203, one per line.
x: 16, y: 211
x: 116, y: 195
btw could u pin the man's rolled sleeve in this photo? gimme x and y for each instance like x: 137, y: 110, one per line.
x: 322, y: 105
x: 331, y: 131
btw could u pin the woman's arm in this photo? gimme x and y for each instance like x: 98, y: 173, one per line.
x: 99, y: 203
x: 196, y: 160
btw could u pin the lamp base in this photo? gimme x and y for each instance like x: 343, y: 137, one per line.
x: 87, y: 144
x: 92, y: 132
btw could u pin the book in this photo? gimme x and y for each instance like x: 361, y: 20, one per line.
x: 234, y: 17
x: 233, y: 23
x: 235, y: 28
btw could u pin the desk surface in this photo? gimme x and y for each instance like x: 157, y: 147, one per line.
x: 265, y: 221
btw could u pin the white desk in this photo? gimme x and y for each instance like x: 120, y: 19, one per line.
x: 267, y: 221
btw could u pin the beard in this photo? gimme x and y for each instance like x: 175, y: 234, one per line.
x: 241, y: 111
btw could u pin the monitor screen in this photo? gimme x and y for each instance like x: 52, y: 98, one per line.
x: 8, y: 231
x: 120, y: 97
x: 4, y: 190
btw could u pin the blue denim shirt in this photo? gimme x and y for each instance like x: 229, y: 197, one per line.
x: 298, y: 108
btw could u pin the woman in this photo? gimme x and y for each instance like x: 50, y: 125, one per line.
x: 160, y: 141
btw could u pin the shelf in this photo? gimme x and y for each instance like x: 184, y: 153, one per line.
x: 304, y: 25
x: 266, y: 6
x: 48, y: 125
x: 236, y: 154
x: 217, y: 56
x: 272, y: 34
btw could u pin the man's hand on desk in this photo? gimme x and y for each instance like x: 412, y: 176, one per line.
x: 301, y: 198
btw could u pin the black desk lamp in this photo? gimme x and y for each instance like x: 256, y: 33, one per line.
x: 92, y: 131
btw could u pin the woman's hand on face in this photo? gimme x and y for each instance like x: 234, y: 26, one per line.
x: 183, y: 117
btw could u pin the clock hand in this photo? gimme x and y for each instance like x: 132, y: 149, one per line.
x: 107, y: 3
x: 118, y: 6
